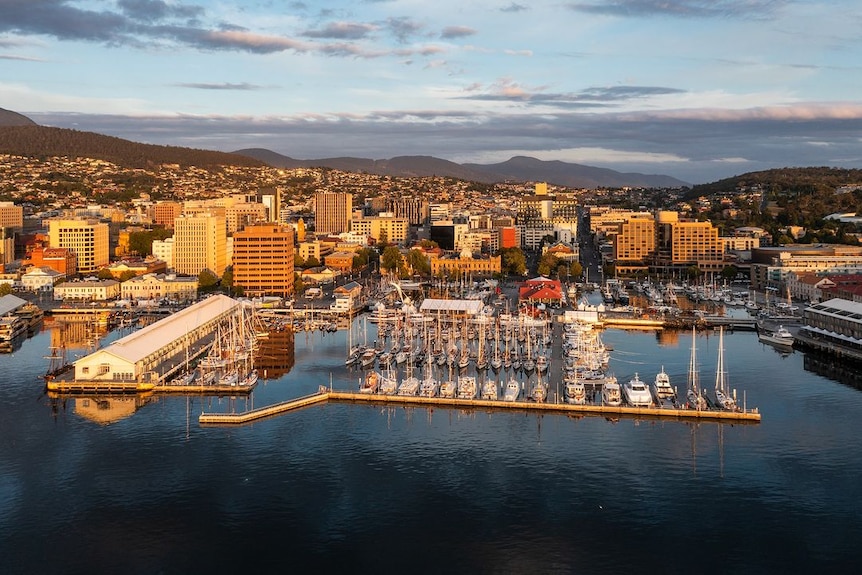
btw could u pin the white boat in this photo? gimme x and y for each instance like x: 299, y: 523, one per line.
x: 489, y: 390
x: 512, y: 390
x: 611, y: 392
x: 410, y: 386
x: 368, y: 357
x: 722, y: 393
x: 388, y: 384
x: 371, y: 383
x: 636, y: 393
x: 574, y: 391
x: 448, y: 388
x: 694, y: 396
x: 184, y: 379
x: 466, y: 387
x: 662, y: 387
x: 539, y: 392
x: 781, y: 337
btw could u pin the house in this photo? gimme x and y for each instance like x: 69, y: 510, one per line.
x: 541, y: 290
x: 319, y: 275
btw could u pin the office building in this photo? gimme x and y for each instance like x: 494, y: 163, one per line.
x: 263, y: 260
x: 200, y: 243
x: 87, y: 239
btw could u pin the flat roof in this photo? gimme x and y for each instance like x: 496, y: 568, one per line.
x: 840, y: 308
x: 9, y: 303
x: 471, y: 306
x: 138, y: 345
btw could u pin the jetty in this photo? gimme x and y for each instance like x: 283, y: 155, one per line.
x: 324, y: 395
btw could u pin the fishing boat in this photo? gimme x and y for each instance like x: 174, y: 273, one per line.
x: 780, y: 338
x: 611, y: 392
x: 722, y: 393
x: 636, y: 392
x: 694, y: 396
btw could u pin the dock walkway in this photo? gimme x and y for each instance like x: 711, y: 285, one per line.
x: 747, y: 416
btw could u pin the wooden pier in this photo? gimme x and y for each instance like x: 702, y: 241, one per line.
x: 747, y: 416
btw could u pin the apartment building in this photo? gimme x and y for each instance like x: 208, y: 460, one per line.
x: 87, y: 239
x: 332, y: 212
x: 263, y: 258
x: 200, y: 243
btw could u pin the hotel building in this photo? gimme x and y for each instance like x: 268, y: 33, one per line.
x: 263, y: 260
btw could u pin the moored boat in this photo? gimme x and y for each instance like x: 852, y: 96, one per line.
x: 611, y: 392
x: 636, y: 392
x: 781, y: 338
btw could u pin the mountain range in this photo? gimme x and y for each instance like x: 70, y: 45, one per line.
x: 21, y: 135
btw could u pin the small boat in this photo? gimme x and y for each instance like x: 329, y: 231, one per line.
x: 388, y: 384
x: 539, y: 392
x: 611, y: 392
x: 781, y: 338
x: 466, y: 387
x: 662, y: 387
x: 489, y: 389
x: 574, y: 391
x: 410, y: 386
x: 512, y: 390
x: 371, y: 383
x: 448, y: 388
x: 184, y: 379
x: 636, y: 393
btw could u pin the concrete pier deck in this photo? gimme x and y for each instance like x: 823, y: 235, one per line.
x: 748, y: 416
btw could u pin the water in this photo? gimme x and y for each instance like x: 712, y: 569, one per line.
x: 138, y: 486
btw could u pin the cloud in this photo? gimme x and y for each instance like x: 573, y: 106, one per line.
x: 20, y: 58
x: 342, y: 30
x: 156, y: 10
x: 402, y: 28
x: 595, y: 97
x: 243, y: 86
x: 680, y: 8
x: 450, y: 32
x: 513, y: 7
x: 518, y: 52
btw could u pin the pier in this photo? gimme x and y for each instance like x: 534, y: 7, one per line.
x: 743, y: 416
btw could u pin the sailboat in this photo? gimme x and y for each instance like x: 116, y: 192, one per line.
x: 722, y: 393
x: 694, y: 396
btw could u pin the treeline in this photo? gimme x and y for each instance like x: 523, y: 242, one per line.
x: 41, y: 141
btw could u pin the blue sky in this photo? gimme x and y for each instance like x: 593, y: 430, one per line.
x: 696, y: 89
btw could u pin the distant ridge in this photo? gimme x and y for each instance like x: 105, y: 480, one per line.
x: 519, y: 169
x: 10, y: 118
x: 35, y: 140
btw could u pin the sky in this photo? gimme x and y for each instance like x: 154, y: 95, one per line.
x: 695, y: 89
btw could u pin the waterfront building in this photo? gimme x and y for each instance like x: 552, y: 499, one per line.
x: 144, y: 355
x: 263, y: 260
x: 87, y: 239
x: 384, y: 227
x: 541, y: 290
x: 834, y: 326
x: 165, y: 213
x: 771, y: 265
x: 200, y: 243
x: 684, y: 243
x: 332, y: 212
x: 634, y: 243
x: 87, y: 290
x: 465, y: 264
x: 314, y: 249
x: 41, y: 278
x: 154, y: 286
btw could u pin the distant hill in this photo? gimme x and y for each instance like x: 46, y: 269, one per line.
x: 816, y: 179
x: 10, y: 118
x: 519, y: 169
x: 34, y: 140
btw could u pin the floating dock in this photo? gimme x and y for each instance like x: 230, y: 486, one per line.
x: 746, y: 416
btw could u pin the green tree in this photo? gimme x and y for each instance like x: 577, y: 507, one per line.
x: 227, y: 280
x: 298, y: 284
x: 390, y: 259
x: 729, y: 273
x: 513, y: 261
x: 311, y: 262
x: 105, y: 274
x: 127, y: 275
x: 5, y: 288
x: 417, y: 261
x: 693, y: 272
x: 575, y: 270
x: 547, y: 264
x: 207, y: 280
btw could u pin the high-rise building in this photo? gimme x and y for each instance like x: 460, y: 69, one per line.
x: 200, y: 243
x: 680, y: 244
x: 164, y: 213
x: 414, y: 210
x: 263, y: 260
x: 385, y: 227
x: 164, y: 250
x: 88, y: 240
x: 11, y: 216
x: 332, y: 212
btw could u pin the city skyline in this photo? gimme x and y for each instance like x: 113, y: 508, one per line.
x: 694, y: 89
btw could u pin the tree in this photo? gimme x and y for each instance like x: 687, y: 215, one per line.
x: 5, y: 289
x: 693, y: 272
x: 311, y: 262
x: 298, y: 284
x: 127, y: 275
x: 547, y: 263
x: 105, y: 274
x: 513, y: 261
x: 207, y: 280
x: 390, y: 259
x: 575, y: 269
x: 227, y: 279
x: 729, y: 273
x: 417, y: 261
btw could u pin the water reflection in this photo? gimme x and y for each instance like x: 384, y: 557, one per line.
x: 845, y: 371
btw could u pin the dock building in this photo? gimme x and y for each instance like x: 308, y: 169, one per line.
x: 834, y: 326
x: 147, y: 355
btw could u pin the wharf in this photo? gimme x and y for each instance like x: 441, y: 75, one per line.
x: 67, y: 386
x: 747, y: 416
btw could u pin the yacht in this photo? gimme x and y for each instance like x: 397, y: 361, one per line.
x: 662, y: 388
x: 781, y: 338
x: 512, y: 390
x: 466, y: 387
x: 388, y: 384
x: 574, y: 391
x: 611, y: 392
x: 694, y: 396
x: 636, y: 393
x: 489, y: 389
x: 410, y: 386
x: 539, y: 392
x: 371, y: 383
x: 722, y: 392
x: 448, y: 388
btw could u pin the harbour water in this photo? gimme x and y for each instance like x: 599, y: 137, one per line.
x: 135, y: 485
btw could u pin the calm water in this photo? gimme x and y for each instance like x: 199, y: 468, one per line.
x: 137, y: 486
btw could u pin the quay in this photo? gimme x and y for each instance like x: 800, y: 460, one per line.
x: 744, y: 416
